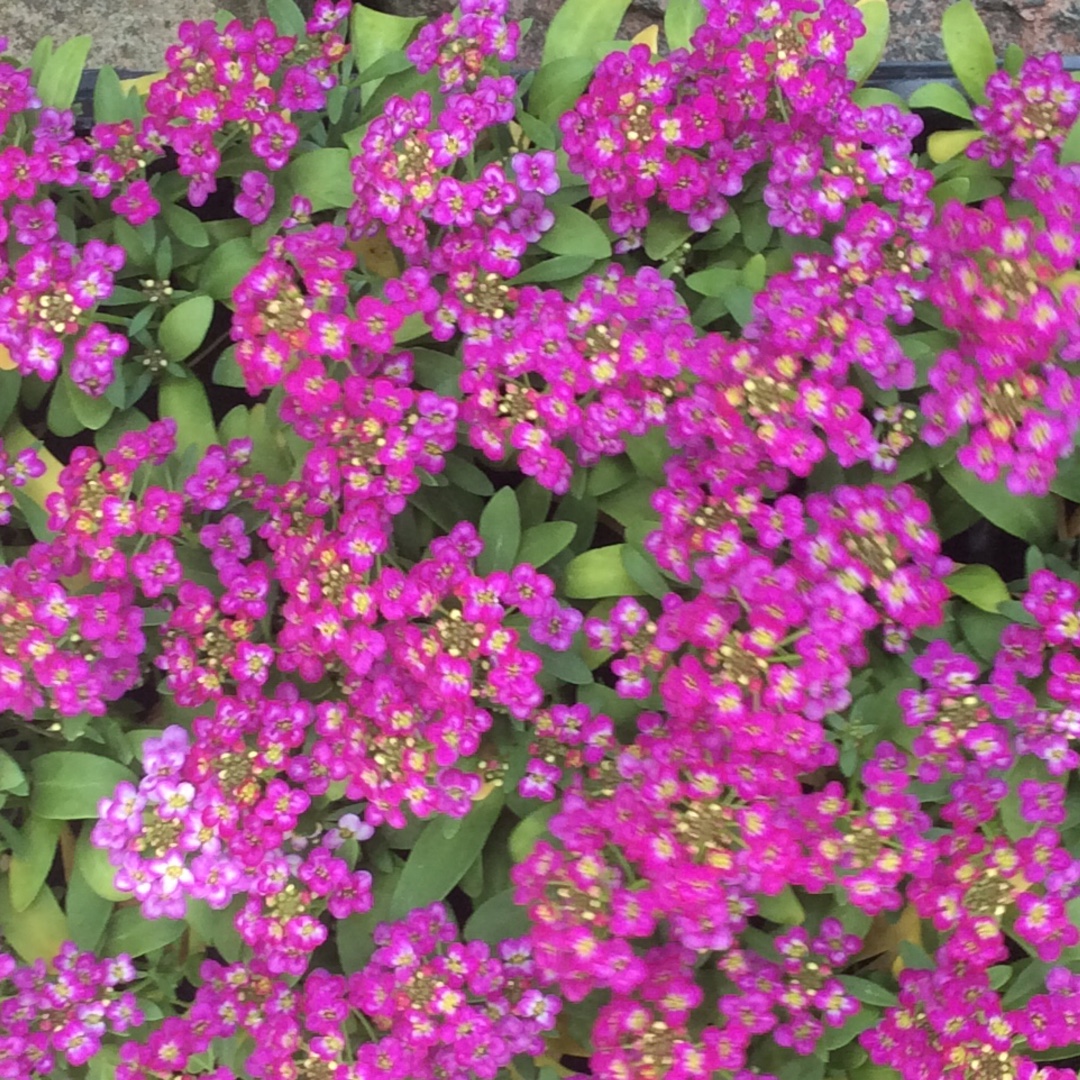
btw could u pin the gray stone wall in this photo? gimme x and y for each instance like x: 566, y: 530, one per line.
x: 134, y: 33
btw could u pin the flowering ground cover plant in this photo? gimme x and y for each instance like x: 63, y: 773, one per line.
x: 518, y: 575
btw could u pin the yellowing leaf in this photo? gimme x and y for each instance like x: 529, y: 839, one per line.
x: 377, y: 255
x: 17, y: 438
x: 142, y: 84
x: 6, y: 363
x: 649, y: 36
x: 883, y: 939
x: 945, y: 145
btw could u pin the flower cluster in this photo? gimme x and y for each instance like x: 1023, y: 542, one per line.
x: 61, y: 1013
x: 441, y: 1007
x: 994, y: 280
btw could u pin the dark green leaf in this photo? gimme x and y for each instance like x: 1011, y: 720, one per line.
x: 1029, y: 517
x: 498, y: 919
x: 226, y: 266
x: 500, y: 529
x: 131, y: 932
x: 558, y: 85
x: 783, y: 908
x: 575, y: 233
x: 87, y: 912
x: 867, y: 991
x: 185, y: 226
x: 543, y: 542
x: 436, y: 864
x: 287, y: 17
x: 184, y: 329
x: 558, y: 268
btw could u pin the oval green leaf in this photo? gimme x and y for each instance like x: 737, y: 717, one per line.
x: 67, y: 785
x: 979, y: 585
x: 969, y: 48
x: 183, y: 330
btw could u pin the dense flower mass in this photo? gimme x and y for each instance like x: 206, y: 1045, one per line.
x: 490, y: 582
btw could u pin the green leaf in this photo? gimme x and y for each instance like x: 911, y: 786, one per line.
x: 575, y: 233
x: 943, y: 97
x: 373, y: 36
x: 580, y: 25
x: 227, y: 371
x: 543, y: 542
x: 559, y: 268
x: 599, y: 573
x: 856, y: 1024
x: 97, y: 871
x: 92, y: 412
x: 465, y: 475
x: 111, y: 103
x: 868, y: 50
x: 87, y: 912
x: 956, y: 189
x: 67, y: 784
x: 1070, y: 150
x: 354, y: 933
x: 500, y: 529
x: 287, y: 17
x: 1030, y: 517
x: 436, y: 864
x: 716, y: 281
x: 1014, y: 59
x: 186, y: 402
x: 642, y: 569
x: 497, y: 920
x: 754, y: 272
x: 681, y: 19
x: 783, y: 908
x: 12, y: 777
x: 968, y: 47
x: 226, y: 266
x: 558, y: 85
x: 666, y: 231
x: 60, y: 417
x: 754, y: 227
x: 530, y: 830
x: 38, y: 931
x: 979, y: 585
x: 59, y: 80
x: 30, y: 865
x: 184, y: 328
x: 323, y: 176
x: 867, y: 991
x: 185, y: 226
x: 649, y: 453
x: 130, y: 931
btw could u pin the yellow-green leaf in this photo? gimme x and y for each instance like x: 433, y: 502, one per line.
x: 979, y: 585
x: 868, y: 50
x: 969, y: 48
x: 945, y: 145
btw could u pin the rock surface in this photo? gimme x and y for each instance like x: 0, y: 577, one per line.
x: 134, y: 33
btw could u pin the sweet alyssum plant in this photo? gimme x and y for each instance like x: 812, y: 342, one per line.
x: 492, y: 581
